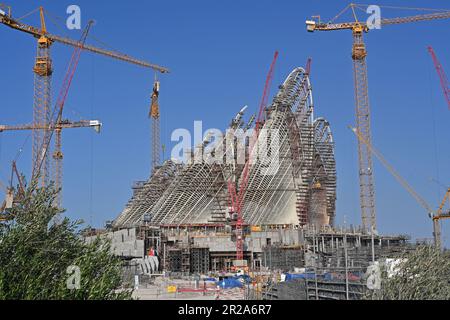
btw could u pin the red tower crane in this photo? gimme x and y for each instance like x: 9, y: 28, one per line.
x: 237, y: 198
x: 308, y: 66
x: 56, y: 119
x: 43, y: 70
x: 442, y: 77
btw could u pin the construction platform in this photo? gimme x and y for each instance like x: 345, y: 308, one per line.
x: 207, y: 248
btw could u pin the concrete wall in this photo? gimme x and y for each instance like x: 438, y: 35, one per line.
x: 255, y: 242
x: 124, y: 243
x: 216, y: 243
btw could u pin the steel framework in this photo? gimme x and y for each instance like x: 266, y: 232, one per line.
x: 278, y: 192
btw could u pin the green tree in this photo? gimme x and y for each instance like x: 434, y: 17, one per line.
x: 36, y: 252
x: 422, y: 274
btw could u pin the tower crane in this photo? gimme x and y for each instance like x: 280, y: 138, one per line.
x: 56, y: 119
x: 12, y: 195
x: 436, y: 216
x: 43, y: 70
x: 442, y: 77
x: 308, y: 66
x: 56, y: 123
x: 7, y: 203
x: 441, y: 214
x: 362, y: 110
x: 237, y: 198
x: 64, y: 124
x: 154, y: 116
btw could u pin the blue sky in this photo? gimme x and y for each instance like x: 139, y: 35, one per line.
x: 219, y: 53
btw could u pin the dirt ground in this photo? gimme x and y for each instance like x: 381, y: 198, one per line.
x: 158, y: 290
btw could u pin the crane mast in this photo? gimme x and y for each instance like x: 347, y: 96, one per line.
x: 362, y: 111
x: 12, y: 196
x: 155, y: 119
x: 7, y: 20
x: 362, y: 107
x: 43, y: 70
x: 436, y: 216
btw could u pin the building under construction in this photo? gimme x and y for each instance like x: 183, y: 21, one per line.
x: 183, y: 213
x: 299, y: 188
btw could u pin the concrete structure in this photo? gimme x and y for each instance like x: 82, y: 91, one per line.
x: 124, y: 243
x: 294, y: 182
x: 182, y: 211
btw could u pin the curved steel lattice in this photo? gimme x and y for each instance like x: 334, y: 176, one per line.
x: 324, y: 173
x: 297, y: 186
x: 146, y: 193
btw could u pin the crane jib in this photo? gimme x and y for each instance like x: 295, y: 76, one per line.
x: 108, y: 53
x: 385, y: 21
x: 8, y: 21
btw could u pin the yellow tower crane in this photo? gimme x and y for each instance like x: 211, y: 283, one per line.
x: 154, y: 115
x: 42, y: 84
x: 64, y: 124
x: 12, y: 195
x: 441, y: 214
x: 436, y: 216
x: 359, y: 53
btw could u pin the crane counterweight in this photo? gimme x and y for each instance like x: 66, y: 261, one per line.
x: 45, y: 122
x: 362, y: 109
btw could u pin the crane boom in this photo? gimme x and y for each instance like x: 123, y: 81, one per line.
x: 436, y: 216
x: 441, y: 73
x: 362, y: 106
x: 259, y: 122
x: 394, y: 172
x: 96, y: 124
x: 42, y: 88
x: 36, y: 32
x: 308, y: 66
x: 42, y: 92
x: 440, y: 211
x: 265, y: 96
x: 417, y: 18
x: 314, y: 25
x: 237, y: 199
x: 440, y: 215
x: 56, y: 115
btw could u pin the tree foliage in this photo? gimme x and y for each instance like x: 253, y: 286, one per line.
x: 35, y: 253
x: 422, y: 274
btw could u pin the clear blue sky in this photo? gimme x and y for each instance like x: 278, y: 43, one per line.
x: 219, y: 53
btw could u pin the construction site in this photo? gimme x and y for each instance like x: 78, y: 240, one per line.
x: 247, y: 214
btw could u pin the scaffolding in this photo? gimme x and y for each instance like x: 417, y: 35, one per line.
x: 278, y: 192
x: 145, y: 194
